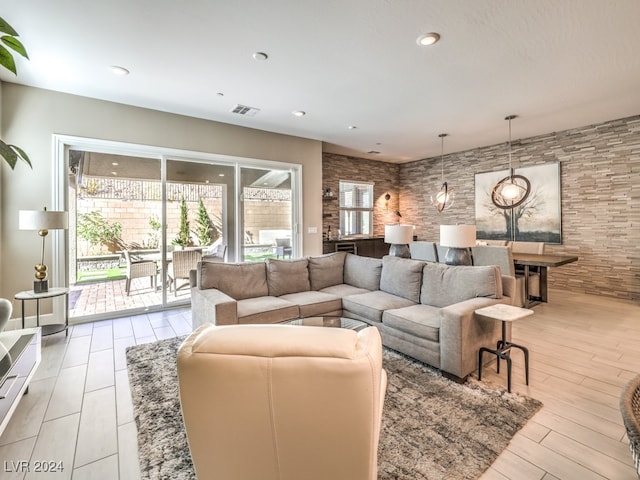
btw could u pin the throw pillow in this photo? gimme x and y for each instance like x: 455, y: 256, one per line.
x: 326, y: 270
x: 401, y: 277
x: 287, y: 276
x: 444, y: 285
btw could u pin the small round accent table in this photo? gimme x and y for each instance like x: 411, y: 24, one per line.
x: 505, y: 314
x: 53, y: 292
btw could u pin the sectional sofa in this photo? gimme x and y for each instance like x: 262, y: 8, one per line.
x: 424, y: 310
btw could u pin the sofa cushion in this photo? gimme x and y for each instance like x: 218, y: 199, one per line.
x: 326, y: 270
x: 362, y: 272
x: 444, y: 285
x: 344, y: 290
x: 402, y: 277
x: 314, y: 303
x: 422, y: 321
x: 371, y: 305
x: 287, y: 276
x: 266, y: 310
x: 238, y: 280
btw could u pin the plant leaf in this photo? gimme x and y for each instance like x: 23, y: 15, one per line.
x: 9, y: 155
x: 6, y: 28
x: 21, y: 155
x: 7, y: 61
x: 15, y: 44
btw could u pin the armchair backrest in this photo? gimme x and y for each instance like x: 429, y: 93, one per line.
x: 500, y: 256
x: 282, y: 402
x: 527, y: 247
x: 426, y: 251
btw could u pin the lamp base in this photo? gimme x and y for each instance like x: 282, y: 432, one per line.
x: 41, y: 286
x: 400, y: 250
x: 457, y: 256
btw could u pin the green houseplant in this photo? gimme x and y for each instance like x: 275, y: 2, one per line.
x: 11, y: 153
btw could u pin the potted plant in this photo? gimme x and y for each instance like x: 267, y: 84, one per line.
x: 11, y: 153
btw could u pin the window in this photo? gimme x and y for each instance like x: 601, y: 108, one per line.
x: 356, y: 208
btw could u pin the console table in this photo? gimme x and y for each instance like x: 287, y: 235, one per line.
x: 53, y: 292
x: 19, y: 359
x: 543, y: 261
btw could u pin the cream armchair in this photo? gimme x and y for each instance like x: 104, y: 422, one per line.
x: 282, y: 402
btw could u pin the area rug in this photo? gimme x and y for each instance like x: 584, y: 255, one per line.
x: 432, y: 428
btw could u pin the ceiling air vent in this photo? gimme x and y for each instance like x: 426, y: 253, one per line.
x: 373, y: 152
x: 244, y: 110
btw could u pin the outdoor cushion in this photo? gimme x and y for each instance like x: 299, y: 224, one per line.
x: 362, y: 272
x: 238, y: 280
x: 266, y: 310
x: 422, y: 321
x: 371, y: 305
x: 326, y: 270
x: 402, y: 277
x: 287, y: 276
x: 444, y: 285
x: 314, y: 303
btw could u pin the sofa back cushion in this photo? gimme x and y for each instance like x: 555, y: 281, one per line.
x: 401, y: 277
x: 362, y: 272
x: 444, y: 285
x: 238, y: 280
x: 287, y: 276
x: 326, y: 270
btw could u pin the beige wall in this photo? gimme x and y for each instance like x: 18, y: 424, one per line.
x: 30, y: 116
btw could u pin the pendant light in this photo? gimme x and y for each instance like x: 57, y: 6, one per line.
x: 512, y: 190
x: 445, y: 196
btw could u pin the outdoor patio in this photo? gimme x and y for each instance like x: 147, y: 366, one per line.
x: 110, y: 296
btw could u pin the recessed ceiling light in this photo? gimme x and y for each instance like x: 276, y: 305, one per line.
x: 115, y: 164
x: 118, y: 70
x: 260, y: 56
x: 221, y: 174
x: 299, y: 113
x: 427, y: 39
x: 114, y: 173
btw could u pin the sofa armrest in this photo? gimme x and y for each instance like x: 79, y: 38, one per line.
x: 213, y: 306
x: 462, y: 334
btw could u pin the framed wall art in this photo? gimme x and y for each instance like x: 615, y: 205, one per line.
x: 537, y: 219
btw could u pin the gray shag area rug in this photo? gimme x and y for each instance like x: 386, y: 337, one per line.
x: 432, y: 428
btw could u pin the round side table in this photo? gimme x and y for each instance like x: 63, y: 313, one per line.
x: 49, y: 329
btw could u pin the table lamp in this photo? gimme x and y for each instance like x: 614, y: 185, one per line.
x: 43, y: 221
x: 399, y: 236
x: 459, y: 238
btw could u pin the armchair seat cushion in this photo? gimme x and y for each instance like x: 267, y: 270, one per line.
x: 371, y: 305
x: 266, y: 310
x: 313, y: 303
x: 422, y: 321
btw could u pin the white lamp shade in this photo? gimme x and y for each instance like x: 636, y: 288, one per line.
x: 398, y: 234
x: 457, y: 236
x: 42, y: 220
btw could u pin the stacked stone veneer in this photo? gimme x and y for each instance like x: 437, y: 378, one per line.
x: 383, y: 175
x: 600, y: 188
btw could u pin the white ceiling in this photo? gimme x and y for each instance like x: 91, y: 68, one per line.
x: 557, y: 64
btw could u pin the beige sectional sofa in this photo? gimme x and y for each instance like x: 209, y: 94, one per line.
x: 424, y: 310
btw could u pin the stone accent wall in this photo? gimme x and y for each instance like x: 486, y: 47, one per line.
x: 384, y: 175
x: 600, y: 187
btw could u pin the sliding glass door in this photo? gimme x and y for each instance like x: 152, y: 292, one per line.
x: 266, y: 217
x: 142, y: 217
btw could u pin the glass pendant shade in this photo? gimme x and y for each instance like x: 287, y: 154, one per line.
x: 445, y: 196
x: 512, y: 190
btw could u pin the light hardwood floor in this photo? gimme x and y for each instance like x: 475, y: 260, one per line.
x: 583, y: 350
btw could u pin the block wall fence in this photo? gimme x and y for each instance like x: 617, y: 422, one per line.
x: 600, y: 189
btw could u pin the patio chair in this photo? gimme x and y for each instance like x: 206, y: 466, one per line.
x: 218, y: 254
x: 283, y: 247
x: 183, y: 262
x: 139, y: 269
